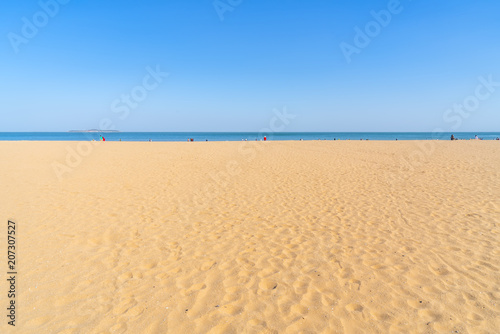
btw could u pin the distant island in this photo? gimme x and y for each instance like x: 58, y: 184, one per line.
x: 93, y: 130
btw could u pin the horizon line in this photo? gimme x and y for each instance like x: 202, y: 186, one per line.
x: 197, y: 131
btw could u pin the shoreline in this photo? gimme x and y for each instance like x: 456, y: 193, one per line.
x: 245, y: 136
x: 249, y: 141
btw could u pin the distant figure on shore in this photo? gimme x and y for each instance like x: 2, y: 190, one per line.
x: 498, y: 138
x: 265, y: 138
x: 103, y: 139
x: 475, y: 137
x: 453, y: 137
x: 150, y: 140
x: 192, y: 139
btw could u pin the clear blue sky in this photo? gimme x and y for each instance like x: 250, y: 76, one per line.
x: 229, y: 75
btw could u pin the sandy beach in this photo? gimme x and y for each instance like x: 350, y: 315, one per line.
x: 253, y: 237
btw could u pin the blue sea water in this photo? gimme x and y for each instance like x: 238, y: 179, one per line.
x: 237, y: 136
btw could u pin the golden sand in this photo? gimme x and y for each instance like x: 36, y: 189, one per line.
x: 254, y: 237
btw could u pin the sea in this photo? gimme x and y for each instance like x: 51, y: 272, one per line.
x: 238, y: 136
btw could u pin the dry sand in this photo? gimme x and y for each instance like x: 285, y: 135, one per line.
x: 274, y: 237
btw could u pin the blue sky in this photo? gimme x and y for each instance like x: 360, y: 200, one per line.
x: 230, y: 74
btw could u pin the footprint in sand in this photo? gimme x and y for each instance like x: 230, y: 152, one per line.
x: 439, y: 270
x: 432, y: 290
x: 300, y: 287
x: 208, y: 265
x: 231, y: 309
x: 161, y: 276
x: 125, y: 276
x: 244, y: 280
x: 474, y: 317
x: 346, y: 272
x: 194, y: 288
x: 235, y: 290
x: 135, y: 311
x: 244, y: 262
x: 221, y: 328
x: 378, y: 266
x: 428, y: 315
x: 175, y: 270
x: 300, y: 309
x: 256, y: 322
x: 355, y: 284
x: 137, y: 274
x: 266, y: 284
x: 381, y: 316
x: 124, y: 306
x: 416, y: 303
x: 119, y: 328
x: 266, y: 272
x: 354, y: 307
x: 148, y: 265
